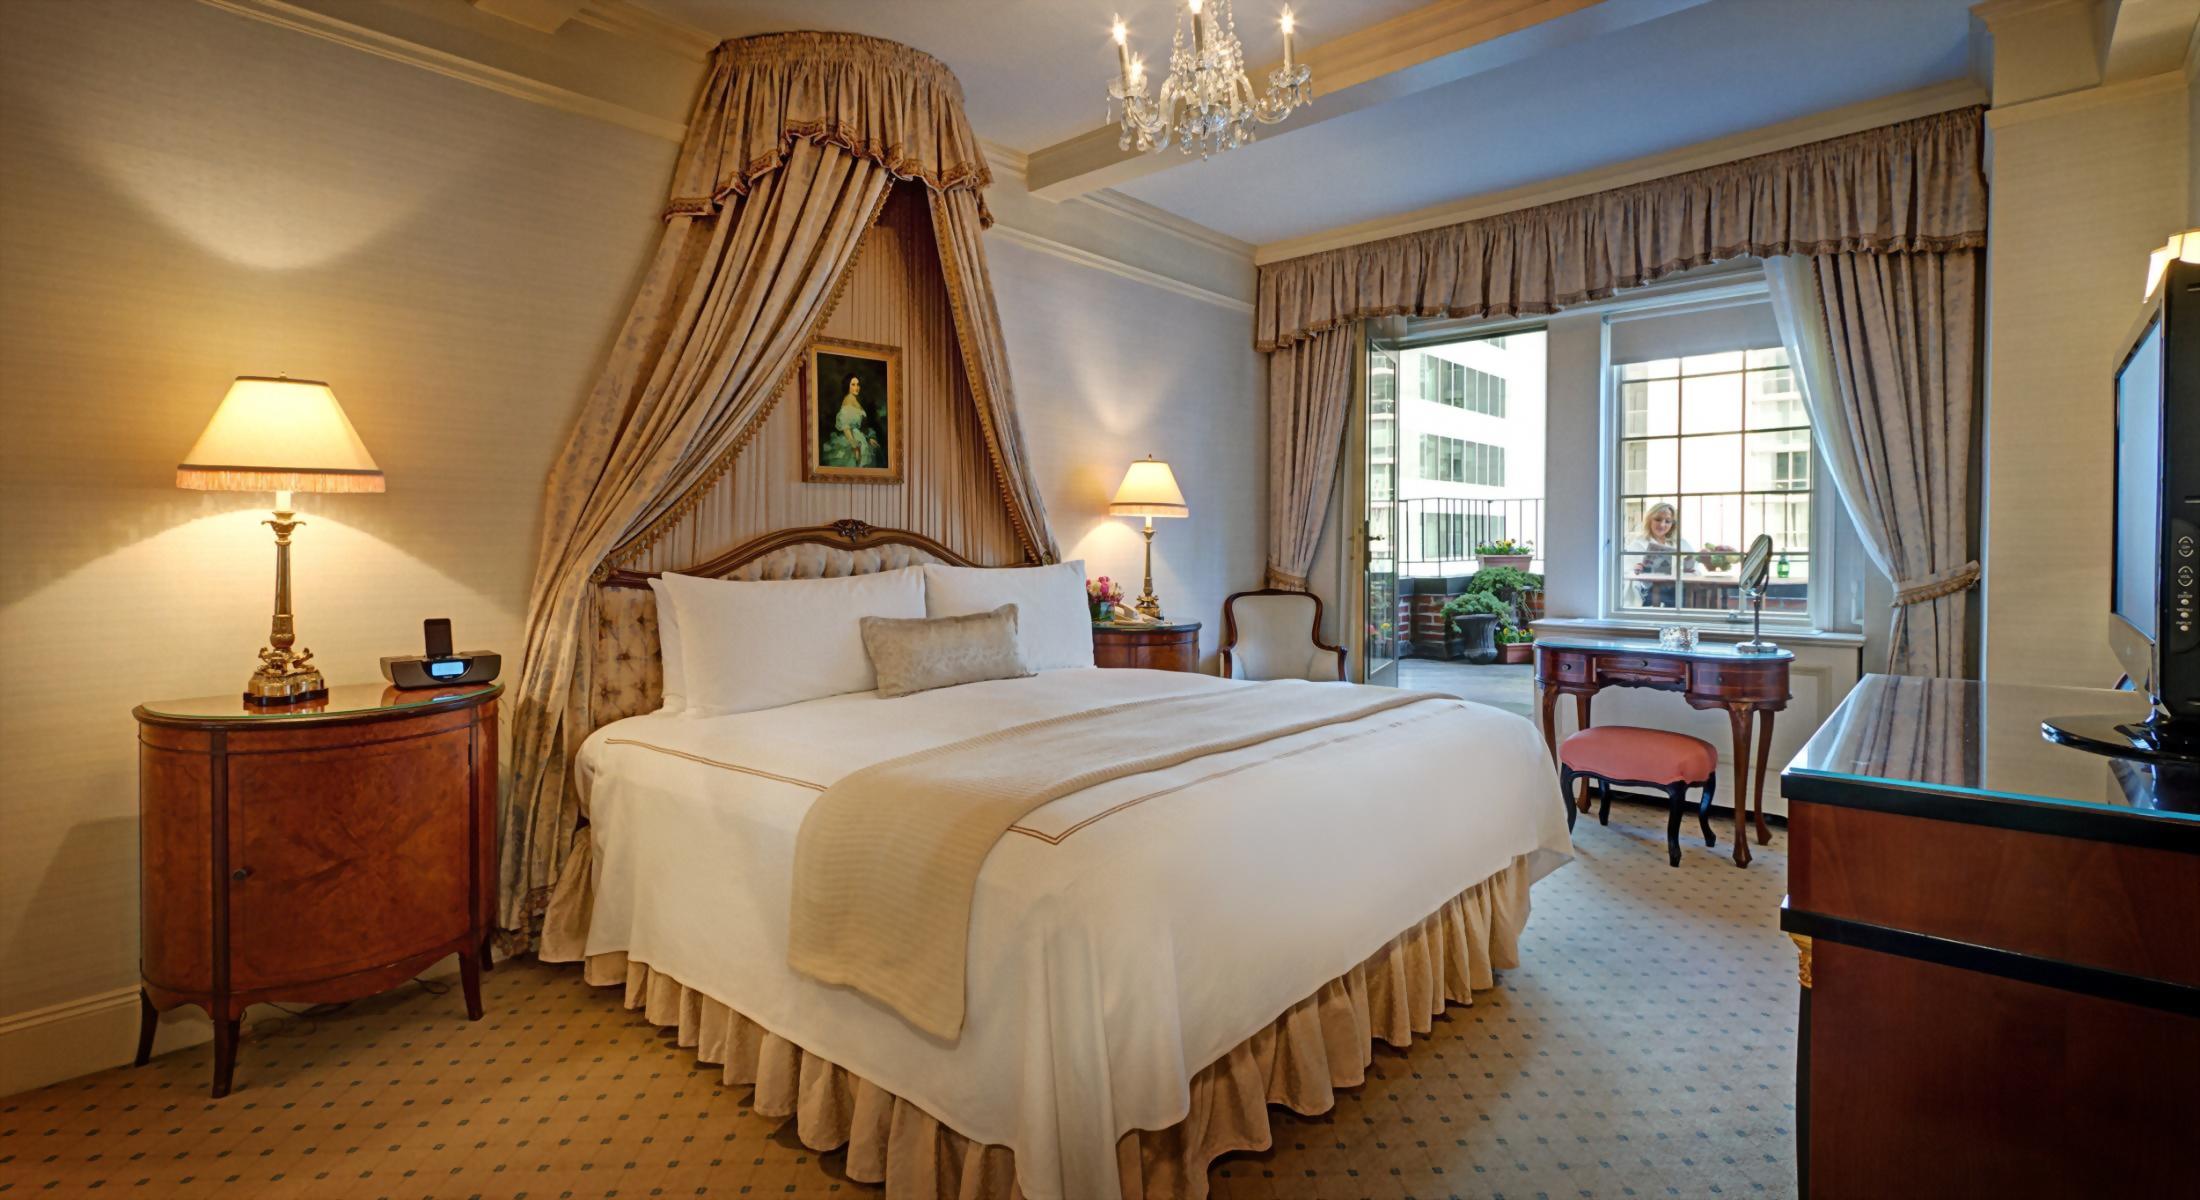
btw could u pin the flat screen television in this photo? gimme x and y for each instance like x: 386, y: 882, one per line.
x: 2154, y: 582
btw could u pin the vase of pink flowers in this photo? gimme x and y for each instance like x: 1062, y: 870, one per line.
x: 1104, y: 594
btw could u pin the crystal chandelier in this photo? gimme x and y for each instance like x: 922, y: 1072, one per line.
x: 1207, y: 103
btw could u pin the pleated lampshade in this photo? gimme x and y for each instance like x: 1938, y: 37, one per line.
x: 279, y: 435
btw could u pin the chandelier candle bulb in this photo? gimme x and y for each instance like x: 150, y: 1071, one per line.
x: 1206, y: 103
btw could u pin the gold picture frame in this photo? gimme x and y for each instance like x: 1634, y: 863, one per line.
x: 847, y: 435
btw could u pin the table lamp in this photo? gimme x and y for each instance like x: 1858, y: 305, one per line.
x: 280, y: 435
x: 1148, y: 491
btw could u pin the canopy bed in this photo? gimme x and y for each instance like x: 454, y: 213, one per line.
x: 1151, y: 961
x: 1151, y: 911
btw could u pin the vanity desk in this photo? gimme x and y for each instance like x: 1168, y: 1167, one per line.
x: 1750, y: 687
x: 1999, y: 951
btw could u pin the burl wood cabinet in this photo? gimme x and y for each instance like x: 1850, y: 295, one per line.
x: 1169, y: 646
x: 314, y: 853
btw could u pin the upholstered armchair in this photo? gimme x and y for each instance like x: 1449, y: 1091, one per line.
x: 1276, y: 634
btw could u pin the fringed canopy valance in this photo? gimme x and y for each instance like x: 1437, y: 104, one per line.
x: 897, y: 106
x: 1913, y: 186
x: 795, y: 146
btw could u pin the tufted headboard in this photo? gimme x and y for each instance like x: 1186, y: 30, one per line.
x: 626, y: 671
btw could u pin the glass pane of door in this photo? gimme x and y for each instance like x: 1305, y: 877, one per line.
x: 1379, y: 640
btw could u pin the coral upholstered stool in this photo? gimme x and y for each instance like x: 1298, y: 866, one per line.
x: 1622, y: 754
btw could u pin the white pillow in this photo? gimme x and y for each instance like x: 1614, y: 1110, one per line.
x: 1053, y: 617
x: 668, y: 649
x: 751, y: 645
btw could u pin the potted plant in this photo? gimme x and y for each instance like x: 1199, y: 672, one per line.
x: 1505, y: 552
x: 1476, y: 615
x: 1521, y: 589
x: 1103, y: 594
x: 1515, y: 644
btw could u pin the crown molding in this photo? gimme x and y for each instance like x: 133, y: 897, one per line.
x: 382, y: 45
x: 1838, y: 122
x: 643, y: 23
x: 2004, y: 116
x: 1005, y: 160
x: 1010, y: 164
x: 1101, y: 262
x: 1110, y: 200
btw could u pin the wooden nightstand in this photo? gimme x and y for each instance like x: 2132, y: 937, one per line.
x: 314, y: 852
x: 1168, y: 646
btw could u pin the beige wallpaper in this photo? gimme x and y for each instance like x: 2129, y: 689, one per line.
x: 188, y: 196
x: 1109, y: 370
x: 2081, y: 193
x: 894, y: 296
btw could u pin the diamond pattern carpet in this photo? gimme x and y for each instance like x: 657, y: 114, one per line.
x: 1645, y: 1047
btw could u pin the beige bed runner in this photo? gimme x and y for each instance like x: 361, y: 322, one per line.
x: 886, y: 866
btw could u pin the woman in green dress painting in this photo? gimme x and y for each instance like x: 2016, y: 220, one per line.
x: 851, y: 443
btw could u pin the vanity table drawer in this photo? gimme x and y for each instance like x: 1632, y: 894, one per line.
x: 1638, y: 670
x: 1565, y: 666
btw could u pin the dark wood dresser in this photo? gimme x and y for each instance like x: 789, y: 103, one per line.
x: 1999, y: 948
x: 314, y: 852
x: 1168, y: 646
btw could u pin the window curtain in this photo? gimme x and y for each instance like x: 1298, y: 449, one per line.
x: 1309, y: 394
x: 1885, y: 351
x: 1903, y: 207
x: 791, y: 151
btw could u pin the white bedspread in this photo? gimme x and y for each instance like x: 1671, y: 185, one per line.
x: 1122, y: 938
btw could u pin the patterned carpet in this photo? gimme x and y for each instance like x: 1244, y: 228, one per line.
x: 1644, y: 1048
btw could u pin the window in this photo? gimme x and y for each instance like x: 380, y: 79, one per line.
x: 1443, y: 535
x: 1714, y: 449
x: 1461, y: 386
x: 1456, y: 460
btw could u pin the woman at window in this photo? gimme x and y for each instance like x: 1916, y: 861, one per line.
x: 1656, y: 539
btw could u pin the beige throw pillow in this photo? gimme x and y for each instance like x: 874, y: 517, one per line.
x: 919, y: 655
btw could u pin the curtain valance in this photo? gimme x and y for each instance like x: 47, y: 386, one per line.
x: 1914, y: 186
x: 879, y: 100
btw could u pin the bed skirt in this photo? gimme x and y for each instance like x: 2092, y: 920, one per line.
x: 1318, y: 1045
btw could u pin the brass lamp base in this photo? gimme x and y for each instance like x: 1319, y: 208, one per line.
x: 294, y: 683
x: 285, y: 676
x: 1148, y: 603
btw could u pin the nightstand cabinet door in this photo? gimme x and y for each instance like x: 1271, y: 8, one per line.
x: 348, y: 858
x: 312, y: 855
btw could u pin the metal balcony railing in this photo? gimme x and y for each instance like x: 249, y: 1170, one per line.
x: 1439, y: 536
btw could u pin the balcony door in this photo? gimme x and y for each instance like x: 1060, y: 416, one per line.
x: 1379, y: 588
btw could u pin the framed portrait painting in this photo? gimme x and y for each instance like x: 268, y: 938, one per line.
x: 851, y: 413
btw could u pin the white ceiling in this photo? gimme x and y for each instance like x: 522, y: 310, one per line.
x: 1035, y: 74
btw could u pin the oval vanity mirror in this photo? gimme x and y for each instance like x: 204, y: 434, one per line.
x: 1757, y: 564
x: 1756, y: 569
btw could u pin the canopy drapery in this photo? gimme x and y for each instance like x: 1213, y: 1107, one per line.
x: 792, y: 150
x: 1894, y: 219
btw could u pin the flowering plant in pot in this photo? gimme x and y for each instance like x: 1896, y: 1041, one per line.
x: 1103, y: 594
x: 1505, y: 552
x: 1515, y: 644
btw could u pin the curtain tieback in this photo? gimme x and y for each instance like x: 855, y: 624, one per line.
x: 1935, y: 585
x: 1284, y: 579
